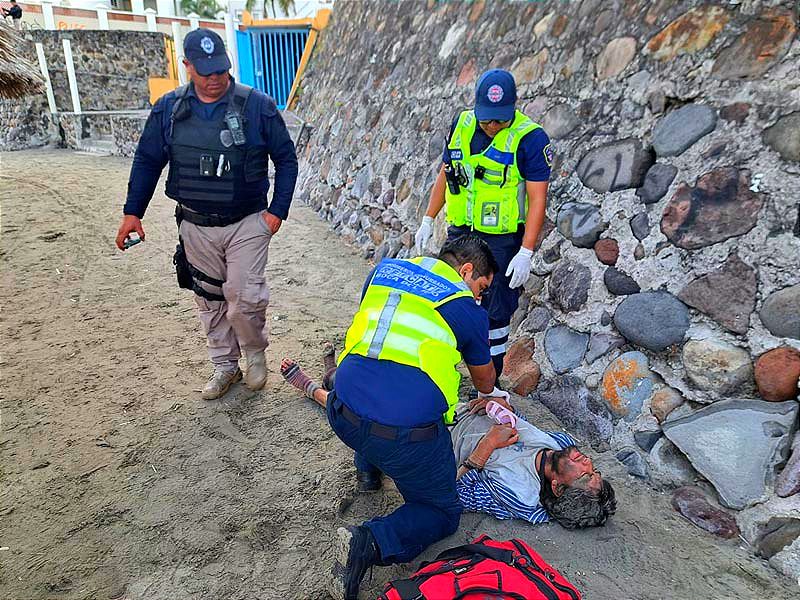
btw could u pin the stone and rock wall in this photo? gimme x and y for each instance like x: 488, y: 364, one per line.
x: 662, y: 315
x: 112, y: 69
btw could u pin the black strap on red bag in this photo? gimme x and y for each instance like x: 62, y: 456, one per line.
x: 509, y: 570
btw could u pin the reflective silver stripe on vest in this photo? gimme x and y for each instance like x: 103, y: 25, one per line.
x: 384, y: 322
x: 427, y: 263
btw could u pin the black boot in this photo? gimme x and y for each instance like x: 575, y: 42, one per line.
x: 356, y: 551
x: 368, y: 481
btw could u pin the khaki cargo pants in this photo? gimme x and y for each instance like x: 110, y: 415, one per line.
x: 236, y: 254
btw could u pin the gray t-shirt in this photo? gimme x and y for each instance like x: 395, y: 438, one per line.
x: 511, y: 469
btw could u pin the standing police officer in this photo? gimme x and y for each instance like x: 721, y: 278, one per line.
x: 494, y: 182
x: 217, y: 136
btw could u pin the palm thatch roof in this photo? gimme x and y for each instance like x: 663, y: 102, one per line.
x: 18, y: 77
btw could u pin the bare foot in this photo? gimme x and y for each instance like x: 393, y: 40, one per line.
x: 328, y: 356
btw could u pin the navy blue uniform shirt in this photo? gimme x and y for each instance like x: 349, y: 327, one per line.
x: 264, y: 126
x: 394, y: 394
x: 534, y: 156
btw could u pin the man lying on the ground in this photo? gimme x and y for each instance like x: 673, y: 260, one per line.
x: 509, y: 473
x: 526, y: 473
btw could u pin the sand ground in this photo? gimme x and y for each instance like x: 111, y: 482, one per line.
x: 118, y: 481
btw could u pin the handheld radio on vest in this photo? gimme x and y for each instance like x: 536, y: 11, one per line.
x: 452, y: 178
x: 234, y: 123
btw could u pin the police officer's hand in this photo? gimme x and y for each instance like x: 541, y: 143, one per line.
x: 519, y: 269
x: 273, y: 222
x: 500, y: 436
x: 423, y: 234
x: 130, y: 223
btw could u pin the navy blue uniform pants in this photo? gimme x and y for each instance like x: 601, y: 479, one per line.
x: 500, y: 301
x: 424, y: 473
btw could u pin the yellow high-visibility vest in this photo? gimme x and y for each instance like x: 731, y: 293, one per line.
x: 398, y: 321
x: 495, y: 202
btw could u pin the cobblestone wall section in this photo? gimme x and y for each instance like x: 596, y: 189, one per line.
x: 669, y: 279
x: 112, y: 69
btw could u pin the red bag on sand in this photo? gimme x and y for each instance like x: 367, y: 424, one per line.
x: 484, y: 570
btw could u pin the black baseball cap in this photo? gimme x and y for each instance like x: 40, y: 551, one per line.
x: 206, y: 51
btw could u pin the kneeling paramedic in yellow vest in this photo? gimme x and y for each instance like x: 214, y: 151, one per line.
x: 396, y: 389
x: 493, y: 181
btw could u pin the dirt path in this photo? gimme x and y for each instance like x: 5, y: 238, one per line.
x: 117, y: 481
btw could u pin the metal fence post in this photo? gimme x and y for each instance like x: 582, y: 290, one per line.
x: 51, y: 99
x: 150, y: 16
x: 102, y: 16
x: 177, y: 38
x: 194, y: 21
x: 73, y: 81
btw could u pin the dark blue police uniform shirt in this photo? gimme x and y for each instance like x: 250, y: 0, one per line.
x: 264, y: 126
x: 533, y: 163
x: 394, y: 394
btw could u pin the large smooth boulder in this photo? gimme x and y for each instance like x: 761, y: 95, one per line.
x: 613, y: 59
x: 719, y: 207
x: 656, y: 182
x: 681, y: 128
x: 571, y: 401
x: 615, y: 166
x: 619, y: 283
x: 736, y: 445
x: 727, y: 295
x: 580, y: 223
x: 784, y: 137
x: 777, y: 373
x: 689, y: 33
x: 565, y: 347
x: 569, y: 285
x: 627, y: 383
x: 765, y: 41
x: 781, y: 312
x: 717, y: 366
x: 653, y: 320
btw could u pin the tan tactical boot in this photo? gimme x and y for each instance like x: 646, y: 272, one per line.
x: 255, y: 375
x: 219, y: 383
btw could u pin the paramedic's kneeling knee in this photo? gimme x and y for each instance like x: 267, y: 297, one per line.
x: 577, y: 508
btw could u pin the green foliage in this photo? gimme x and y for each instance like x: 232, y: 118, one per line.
x: 204, y: 8
x: 287, y: 6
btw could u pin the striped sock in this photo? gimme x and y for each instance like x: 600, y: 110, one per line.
x: 295, y: 376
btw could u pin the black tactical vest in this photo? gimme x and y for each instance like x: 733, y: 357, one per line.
x: 208, y: 172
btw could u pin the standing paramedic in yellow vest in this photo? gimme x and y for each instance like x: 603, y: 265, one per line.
x: 395, y: 391
x: 494, y: 182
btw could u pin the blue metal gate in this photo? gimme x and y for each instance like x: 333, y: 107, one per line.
x: 275, y: 56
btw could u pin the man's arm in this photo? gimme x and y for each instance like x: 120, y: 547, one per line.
x: 149, y: 160
x: 282, y: 153
x: 537, y: 201
x: 483, y: 377
x: 436, y: 199
x: 498, y: 436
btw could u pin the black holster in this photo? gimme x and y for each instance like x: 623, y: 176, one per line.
x: 188, y: 276
x: 183, y: 269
